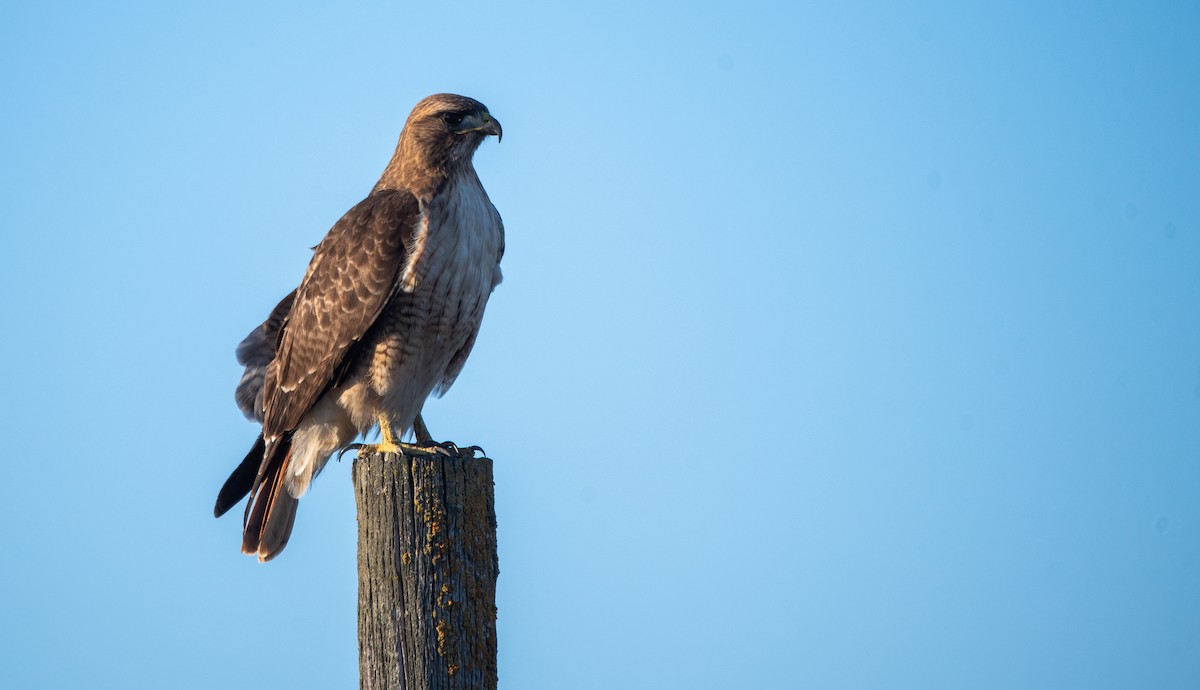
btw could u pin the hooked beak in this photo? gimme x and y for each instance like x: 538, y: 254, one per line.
x: 484, y: 122
x: 492, y: 126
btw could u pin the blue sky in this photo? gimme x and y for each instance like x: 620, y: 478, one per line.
x: 840, y: 345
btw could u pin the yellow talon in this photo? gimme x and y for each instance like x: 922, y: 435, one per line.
x: 387, y: 442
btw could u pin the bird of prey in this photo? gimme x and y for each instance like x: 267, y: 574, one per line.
x: 385, y: 316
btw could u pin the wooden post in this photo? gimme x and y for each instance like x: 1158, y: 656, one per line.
x: 427, y: 570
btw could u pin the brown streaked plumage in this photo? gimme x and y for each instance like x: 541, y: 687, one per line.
x: 385, y: 316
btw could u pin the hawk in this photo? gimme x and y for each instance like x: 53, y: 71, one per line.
x: 385, y: 316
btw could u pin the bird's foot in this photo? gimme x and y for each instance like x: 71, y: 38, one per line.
x: 447, y: 448
x: 388, y: 443
x: 365, y: 448
x: 423, y: 442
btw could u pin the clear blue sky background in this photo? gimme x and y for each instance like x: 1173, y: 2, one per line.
x: 841, y: 345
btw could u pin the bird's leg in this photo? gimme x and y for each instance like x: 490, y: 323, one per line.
x: 424, y: 441
x: 423, y: 445
x: 387, y: 442
x: 422, y: 432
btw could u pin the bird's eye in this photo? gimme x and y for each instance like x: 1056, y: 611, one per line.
x: 453, y: 119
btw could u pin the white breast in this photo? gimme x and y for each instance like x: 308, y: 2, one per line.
x: 448, y: 277
x: 458, y: 238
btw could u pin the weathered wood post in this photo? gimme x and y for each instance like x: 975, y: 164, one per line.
x: 427, y: 570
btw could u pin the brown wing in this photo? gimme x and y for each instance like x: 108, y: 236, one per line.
x: 348, y: 283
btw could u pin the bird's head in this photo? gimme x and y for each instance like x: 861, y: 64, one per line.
x: 440, y: 136
x: 449, y: 127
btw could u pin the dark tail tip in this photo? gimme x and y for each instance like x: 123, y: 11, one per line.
x: 242, y: 479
